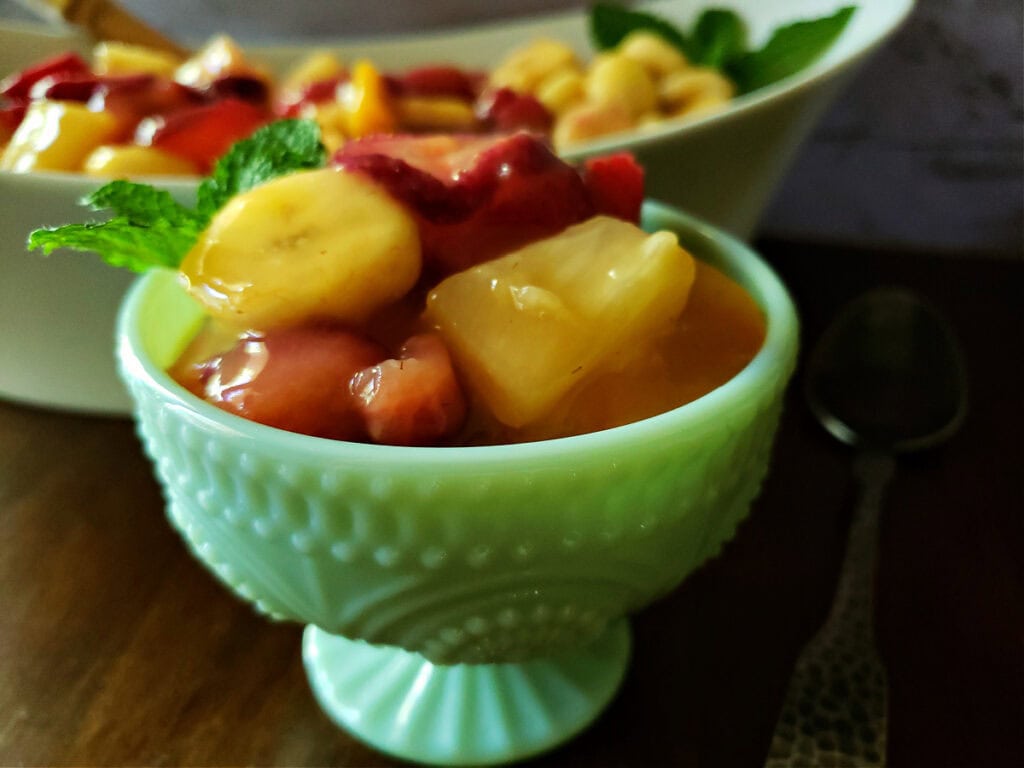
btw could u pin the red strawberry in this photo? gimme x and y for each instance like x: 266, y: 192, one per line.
x: 412, y: 400
x: 202, y: 133
x: 615, y: 184
x: 17, y: 87
x: 505, y: 110
x: 475, y: 198
x: 295, y: 379
x: 437, y: 81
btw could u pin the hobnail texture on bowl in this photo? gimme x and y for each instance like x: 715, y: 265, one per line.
x: 473, y: 568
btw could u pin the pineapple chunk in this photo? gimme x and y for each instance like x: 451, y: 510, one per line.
x: 57, y: 136
x: 114, y: 58
x: 119, y: 161
x: 314, y: 244
x: 526, y: 328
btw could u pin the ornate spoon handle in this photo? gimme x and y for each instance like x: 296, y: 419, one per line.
x: 835, y: 706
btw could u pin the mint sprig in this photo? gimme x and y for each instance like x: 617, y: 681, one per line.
x: 610, y: 24
x: 149, y: 228
x: 272, y: 151
x: 789, y: 49
x: 719, y: 39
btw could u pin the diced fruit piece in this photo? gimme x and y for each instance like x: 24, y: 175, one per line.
x: 133, y: 97
x: 615, y: 184
x: 316, y: 78
x: 242, y: 87
x: 504, y: 110
x: 220, y: 57
x: 316, y: 67
x: 116, y: 58
x: 57, y: 136
x: 523, y: 193
x: 435, y: 113
x: 120, y: 161
x: 201, y: 134
x: 587, y: 121
x: 474, y: 198
x: 439, y: 81
x: 526, y: 68
x: 366, y: 99
x: 11, y: 116
x: 307, y: 102
x: 616, y: 79
x: 332, y: 118
x: 444, y: 157
x: 412, y: 400
x: 293, y: 378
x: 321, y: 243
x: 719, y: 331
x: 526, y: 328
x: 85, y: 87
x: 561, y: 91
x: 17, y: 86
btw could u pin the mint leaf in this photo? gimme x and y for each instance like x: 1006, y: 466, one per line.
x: 610, y: 24
x: 141, y: 204
x: 274, y: 150
x: 149, y: 228
x: 788, y: 50
x: 719, y: 36
x: 122, y: 242
x: 719, y: 39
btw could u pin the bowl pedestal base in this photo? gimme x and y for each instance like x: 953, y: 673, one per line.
x: 464, y: 714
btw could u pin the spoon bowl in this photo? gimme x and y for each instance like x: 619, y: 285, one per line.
x: 887, y: 374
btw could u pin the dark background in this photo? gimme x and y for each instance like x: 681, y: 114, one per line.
x: 924, y: 151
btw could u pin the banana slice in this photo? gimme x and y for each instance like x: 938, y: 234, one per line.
x: 325, y: 243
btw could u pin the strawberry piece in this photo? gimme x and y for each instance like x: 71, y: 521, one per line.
x: 412, y: 400
x: 10, y: 118
x: 202, y: 133
x: 87, y: 86
x: 615, y: 184
x: 504, y: 110
x: 137, y: 97
x: 18, y: 86
x: 474, y: 198
x: 437, y: 81
x: 524, y: 193
x: 316, y: 92
x: 443, y: 156
x: 242, y: 87
x: 295, y: 379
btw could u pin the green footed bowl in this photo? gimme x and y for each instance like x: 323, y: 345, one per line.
x: 465, y: 605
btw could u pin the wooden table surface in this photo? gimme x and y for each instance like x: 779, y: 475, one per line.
x: 117, y: 648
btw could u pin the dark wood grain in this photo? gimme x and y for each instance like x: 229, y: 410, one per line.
x: 116, y: 648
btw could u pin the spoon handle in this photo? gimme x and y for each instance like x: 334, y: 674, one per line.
x: 835, y: 706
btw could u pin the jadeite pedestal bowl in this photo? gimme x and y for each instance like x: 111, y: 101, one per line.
x: 57, y: 315
x: 464, y: 605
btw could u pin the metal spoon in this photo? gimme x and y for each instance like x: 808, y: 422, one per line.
x: 887, y: 377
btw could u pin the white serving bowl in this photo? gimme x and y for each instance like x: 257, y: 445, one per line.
x: 57, y: 313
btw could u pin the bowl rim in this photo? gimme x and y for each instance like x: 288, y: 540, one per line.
x: 767, y: 370
x: 817, y: 73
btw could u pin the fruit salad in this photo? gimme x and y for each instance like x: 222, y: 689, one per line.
x: 429, y: 290
x: 133, y: 111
